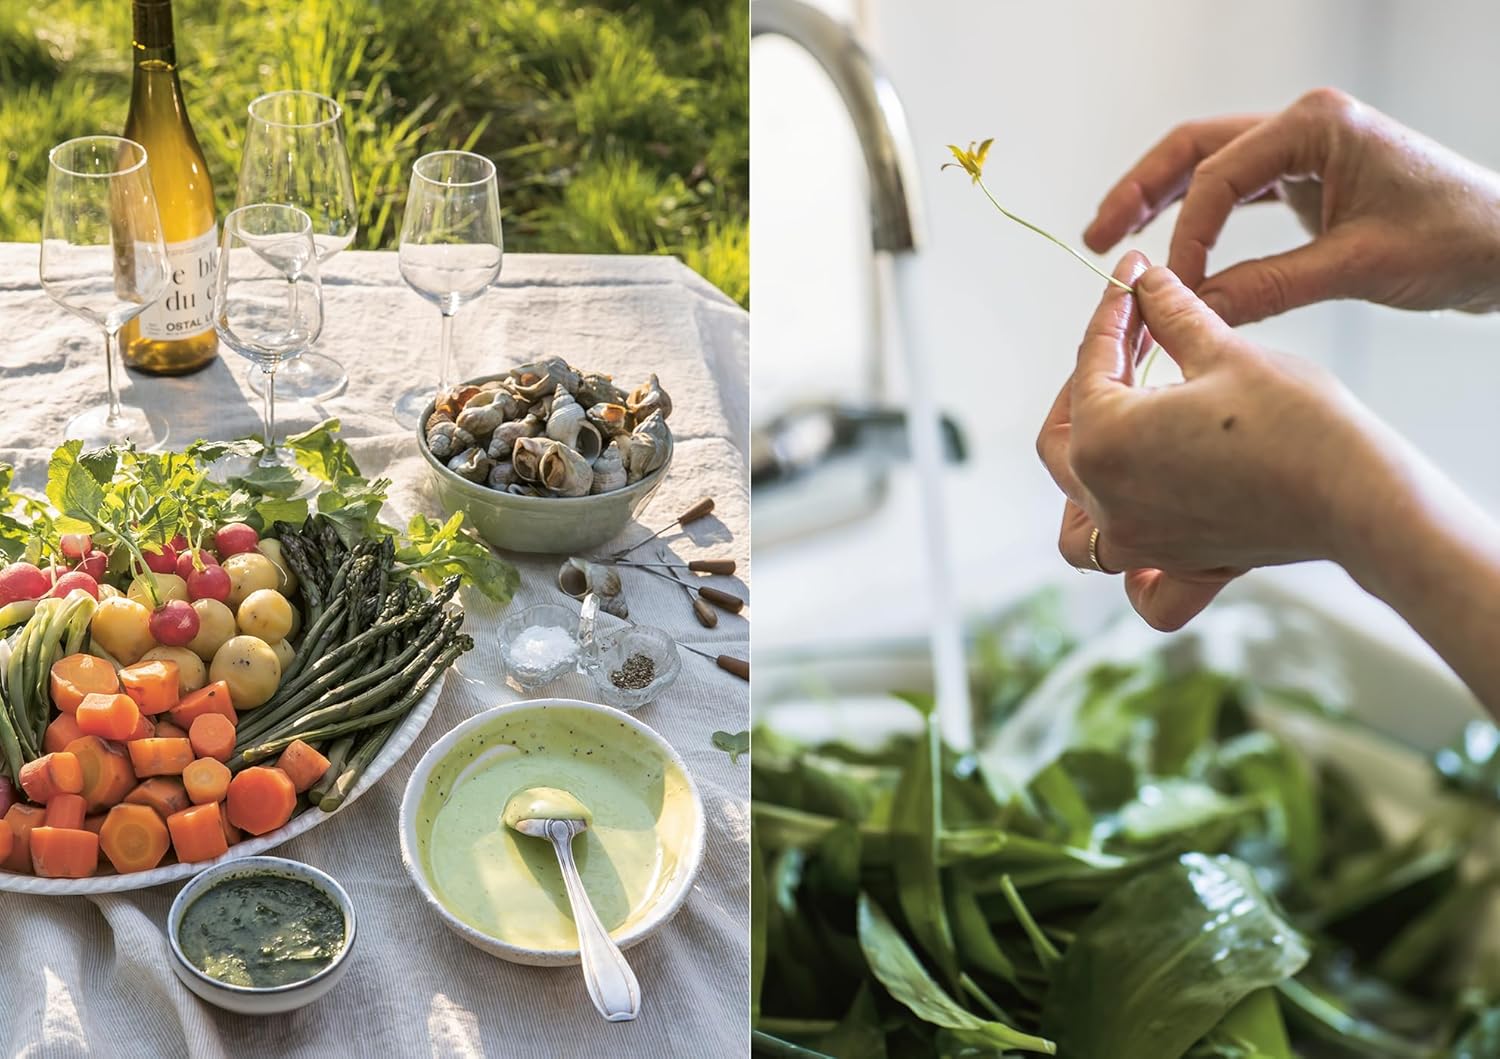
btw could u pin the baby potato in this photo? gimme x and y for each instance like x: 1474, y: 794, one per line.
x: 284, y: 653
x: 215, y: 626
x: 168, y: 586
x: 251, y: 669
x: 123, y: 628
x: 192, y: 674
x: 249, y: 572
x: 109, y: 592
x: 265, y: 614
x: 271, y: 549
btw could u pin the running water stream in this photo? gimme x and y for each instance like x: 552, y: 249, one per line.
x: 899, y: 294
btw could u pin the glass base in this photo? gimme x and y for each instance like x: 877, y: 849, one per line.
x: 311, y: 377
x: 96, y: 429
x: 410, y: 405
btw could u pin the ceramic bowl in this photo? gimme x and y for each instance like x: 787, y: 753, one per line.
x: 469, y: 746
x: 557, y: 525
x: 249, y: 1000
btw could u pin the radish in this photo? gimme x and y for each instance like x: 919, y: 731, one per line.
x: 22, y: 581
x: 76, y: 546
x: 163, y: 561
x: 175, y: 623
x: 185, y: 565
x: 74, y: 579
x: 235, y: 538
x: 179, y: 543
x: 212, y: 582
x: 95, y: 564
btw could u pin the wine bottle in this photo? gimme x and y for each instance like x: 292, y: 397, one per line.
x: 176, y: 335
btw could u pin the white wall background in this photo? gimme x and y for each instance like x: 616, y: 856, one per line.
x: 1073, y: 92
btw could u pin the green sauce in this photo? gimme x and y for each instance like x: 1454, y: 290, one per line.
x: 262, y: 930
x: 544, y: 803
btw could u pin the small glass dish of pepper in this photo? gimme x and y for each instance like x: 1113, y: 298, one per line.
x: 633, y: 666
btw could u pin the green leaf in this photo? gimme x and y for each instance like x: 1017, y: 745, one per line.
x: 442, y: 549
x: 896, y: 966
x: 1266, y: 769
x: 1481, y: 1040
x: 73, y: 489
x: 1046, y: 953
x: 1164, y: 958
x: 1472, y: 764
x: 277, y: 481
x: 324, y: 454
x: 732, y: 743
x: 858, y: 1032
x: 1176, y: 807
x: 1253, y: 1029
x: 916, y: 822
x: 758, y: 904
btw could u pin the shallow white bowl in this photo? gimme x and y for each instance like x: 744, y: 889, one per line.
x: 248, y: 1000
x: 665, y: 903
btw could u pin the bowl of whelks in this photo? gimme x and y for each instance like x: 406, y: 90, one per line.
x: 546, y: 457
x: 502, y: 891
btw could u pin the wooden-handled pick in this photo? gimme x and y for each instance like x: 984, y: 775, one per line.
x: 701, y: 509
x: 730, y: 664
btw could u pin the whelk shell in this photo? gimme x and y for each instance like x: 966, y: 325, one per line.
x: 649, y: 444
x: 609, y: 470
x: 503, y: 442
x: 447, y: 438
x: 647, y: 399
x: 564, y: 471
x: 526, y: 457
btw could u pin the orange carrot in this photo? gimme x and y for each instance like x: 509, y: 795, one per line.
x: 165, y: 794
x: 62, y: 731
x: 107, y: 775
x: 134, y: 838
x: 213, y: 698
x: 197, y: 833
x: 153, y: 685
x: 206, y: 780
x: 51, y: 775
x: 108, y: 716
x: 303, y: 764
x: 94, y: 821
x: 165, y: 729
x: 64, y: 853
x: 23, y: 820
x: 66, y: 810
x: 160, y: 757
x: 7, y: 841
x: 232, y: 834
x: 212, y: 736
x: 78, y: 675
x: 261, y: 799
x: 145, y: 728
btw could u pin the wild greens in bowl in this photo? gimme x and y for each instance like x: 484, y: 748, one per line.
x: 1180, y: 880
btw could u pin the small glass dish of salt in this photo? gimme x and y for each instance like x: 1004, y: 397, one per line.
x: 539, y: 645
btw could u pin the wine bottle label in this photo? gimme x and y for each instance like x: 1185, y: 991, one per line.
x: 187, y: 307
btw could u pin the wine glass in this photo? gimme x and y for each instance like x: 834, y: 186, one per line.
x: 268, y: 299
x: 295, y: 155
x: 450, y: 248
x: 103, y: 260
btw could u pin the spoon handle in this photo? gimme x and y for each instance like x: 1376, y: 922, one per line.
x: 611, y: 982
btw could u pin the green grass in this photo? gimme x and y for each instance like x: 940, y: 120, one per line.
x: 617, y: 127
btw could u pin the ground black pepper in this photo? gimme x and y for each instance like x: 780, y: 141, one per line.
x: 637, y: 672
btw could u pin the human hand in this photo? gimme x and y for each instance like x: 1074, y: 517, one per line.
x: 1394, y: 217
x: 1254, y: 459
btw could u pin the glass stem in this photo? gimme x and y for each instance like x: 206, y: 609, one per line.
x: 115, y: 415
x: 445, y: 352
x: 268, y: 455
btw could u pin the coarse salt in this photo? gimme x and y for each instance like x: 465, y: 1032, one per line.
x: 541, y: 647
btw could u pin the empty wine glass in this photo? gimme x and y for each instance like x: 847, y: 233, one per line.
x: 295, y: 155
x: 103, y: 260
x: 268, y: 299
x: 450, y: 248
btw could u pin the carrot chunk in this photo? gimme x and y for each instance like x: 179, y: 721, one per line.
x: 144, y: 729
x: 107, y: 775
x: 153, y: 685
x: 23, y: 820
x: 212, y: 698
x: 51, y: 775
x: 7, y: 841
x: 261, y: 799
x: 165, y: 729
x: 66, y: 810
x: 303, y: 764
x: 76, y: 676
x: 212, y: 736
x: 165, y: 794
x: 62, y: 731
x: 206, y: 780
x: 197, y: 833
x: 108, y: 716
x: 134, y: 838
x: 160, y: 757
x: 64, y: 853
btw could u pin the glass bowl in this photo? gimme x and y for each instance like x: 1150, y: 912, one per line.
x: 525, y: 674
x: 609, y: 656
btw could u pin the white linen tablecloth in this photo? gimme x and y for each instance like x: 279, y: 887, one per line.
x: 91, y: 976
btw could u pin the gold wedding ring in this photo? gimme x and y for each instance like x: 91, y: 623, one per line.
x: 1094, y: 552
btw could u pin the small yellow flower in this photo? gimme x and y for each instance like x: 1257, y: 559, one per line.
x: 971, y: 161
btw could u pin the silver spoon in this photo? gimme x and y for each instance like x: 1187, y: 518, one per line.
x: 551, y: 814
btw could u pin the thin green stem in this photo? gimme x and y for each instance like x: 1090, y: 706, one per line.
x: 1052, y: 239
